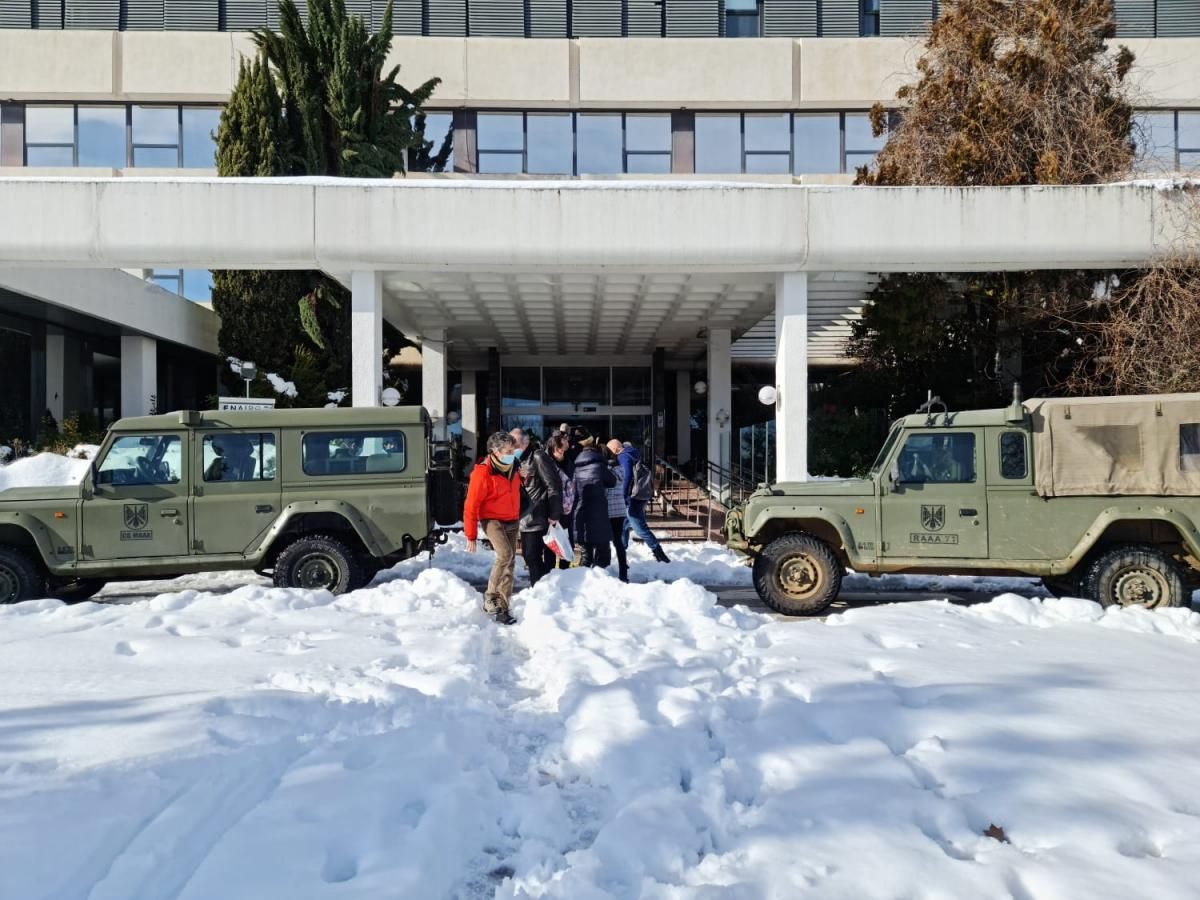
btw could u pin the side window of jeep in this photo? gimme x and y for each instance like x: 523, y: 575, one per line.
x: 354, y: 452
x: 138, y: 459
x: 940, y: 458
x: 239, y: 457
x: 1189, y: 448
x: 1014, y: 460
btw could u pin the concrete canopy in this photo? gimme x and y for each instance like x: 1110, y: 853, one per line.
x: 569, y: 267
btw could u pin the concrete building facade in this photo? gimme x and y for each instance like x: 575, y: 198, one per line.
x: 755, y: 95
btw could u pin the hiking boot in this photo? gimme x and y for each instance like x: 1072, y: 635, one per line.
x: 624, y: 575
x: 504, y: 617
x: 660, y: 555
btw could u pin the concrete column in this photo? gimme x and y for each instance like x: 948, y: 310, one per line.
x: 56, y: 370
x: 433, y: 379
x: 470, y: 414
x: 720, y: 396
x: 791, y: 376
x: 139, y: 375
x: 366, y: 338
x: 683, y: 415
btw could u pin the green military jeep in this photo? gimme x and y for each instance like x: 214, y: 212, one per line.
x: 1098, y: 497
x: 318, y: 498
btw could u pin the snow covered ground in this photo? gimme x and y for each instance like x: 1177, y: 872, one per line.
x: 227, y: 739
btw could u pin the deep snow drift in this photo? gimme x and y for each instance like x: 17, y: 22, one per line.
x: 621, y: 741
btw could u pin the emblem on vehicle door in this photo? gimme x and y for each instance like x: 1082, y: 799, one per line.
x: 137, y: 517
x: 933, y: 518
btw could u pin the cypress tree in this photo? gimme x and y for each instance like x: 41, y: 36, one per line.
x: 315, y: 101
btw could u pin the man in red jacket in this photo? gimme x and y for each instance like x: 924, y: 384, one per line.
x: 494, y: 501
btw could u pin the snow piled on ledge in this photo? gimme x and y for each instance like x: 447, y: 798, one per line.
x: 620, y: 741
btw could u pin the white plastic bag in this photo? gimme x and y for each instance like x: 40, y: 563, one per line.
x: 559, y: 542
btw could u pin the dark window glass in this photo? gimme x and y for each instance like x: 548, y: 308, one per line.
x: 199, y: 147
x: 648, y: 133
x: 239, y: 457
x: 1014, y: 460
x: 817, y: 144
x: 520, y: 386
x: 500, y: 131
x: 569, y: 387
x: 631, y: 386
x: 1189, y: 448
x: 636, y: 430
x: 937, y: 459
x: 551, y: 148
x: 741, y: 18
x: 142, y: 459
x: 869, y: 21
x: 598, y: 142
x: 353, y: 452
x: 102, y: 136
x: 532, y: 425
x: 718, y: 144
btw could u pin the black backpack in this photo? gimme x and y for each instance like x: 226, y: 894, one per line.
x: 643, y: 482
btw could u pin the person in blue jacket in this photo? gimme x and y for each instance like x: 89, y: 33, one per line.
x: 639, y: 491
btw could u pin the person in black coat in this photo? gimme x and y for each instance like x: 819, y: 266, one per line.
x: 544, y: 489
x: 593, y: 477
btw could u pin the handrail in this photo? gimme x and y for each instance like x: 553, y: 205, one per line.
x: 696, y: 499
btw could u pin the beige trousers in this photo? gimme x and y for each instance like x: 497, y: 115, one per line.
x: 503, y: 537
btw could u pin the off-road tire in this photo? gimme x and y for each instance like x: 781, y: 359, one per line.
x: 1135, y: 575
x: 20, y: 578
x: 318, y: 562
x: 798, y: 575
x: 79, y: 590
x: 1063, y: 586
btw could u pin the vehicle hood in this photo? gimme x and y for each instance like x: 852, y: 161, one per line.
x: 43, y: 492
x: 834, y: 487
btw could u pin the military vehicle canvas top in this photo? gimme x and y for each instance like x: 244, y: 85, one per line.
x: 318, y: 498
x: 1099, y: 498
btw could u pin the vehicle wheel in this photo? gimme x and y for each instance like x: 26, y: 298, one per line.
x: 318, y: 562
x: 1136, y: 575
x: 79, y: 590
x: 19, y: 577
x: 797, y: 575
x: 1063, y: 586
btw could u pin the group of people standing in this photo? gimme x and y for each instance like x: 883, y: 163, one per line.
x: 598, y: 492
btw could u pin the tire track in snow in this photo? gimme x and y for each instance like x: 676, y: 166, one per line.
x: 185, y: 830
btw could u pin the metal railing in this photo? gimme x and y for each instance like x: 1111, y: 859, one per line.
x: 698, y: 499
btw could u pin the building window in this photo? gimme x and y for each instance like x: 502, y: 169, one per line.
x: 438, y: 127
x: 755, y: 142
x: 194, y: 284
x: 647, y: 143
x: 742, y: 18
x: 868, y: 21
x: 573, y: 144
x: 1188, y: 131
x: 817, y: 143
x: 107, y: 136
x: 50, y: 136
x: 860, y: 144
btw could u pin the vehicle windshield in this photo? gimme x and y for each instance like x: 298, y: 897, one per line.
x: 885, y: 451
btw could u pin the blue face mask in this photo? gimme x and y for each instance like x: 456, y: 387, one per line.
x: 508, y: 459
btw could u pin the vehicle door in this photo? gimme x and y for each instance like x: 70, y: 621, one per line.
x: 138, y: 503
x: 936, y: 504
x: 237, y: 492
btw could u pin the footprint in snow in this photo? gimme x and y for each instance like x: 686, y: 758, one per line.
x: 340, y: 866
x: 124, y: 648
